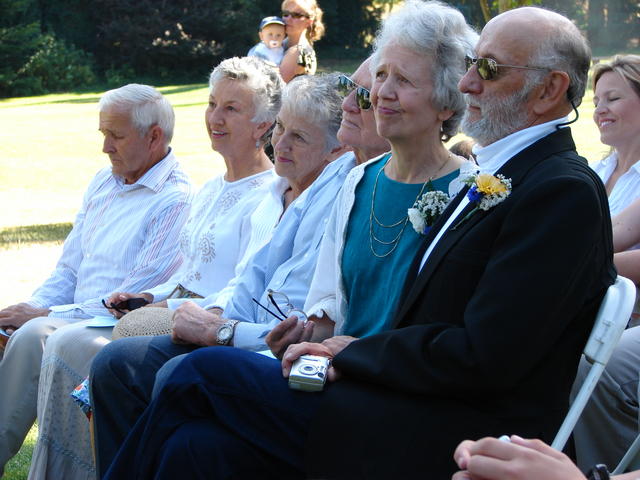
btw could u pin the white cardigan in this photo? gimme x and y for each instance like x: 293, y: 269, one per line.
x: 327, y: 294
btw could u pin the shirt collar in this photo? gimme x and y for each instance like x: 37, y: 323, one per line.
x: 155, y: 177
x: 494, y: 156
x: 636, y: 166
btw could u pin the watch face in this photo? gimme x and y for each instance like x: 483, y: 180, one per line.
x: 224, y: 334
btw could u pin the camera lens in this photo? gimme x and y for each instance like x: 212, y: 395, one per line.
x: 308, y: 369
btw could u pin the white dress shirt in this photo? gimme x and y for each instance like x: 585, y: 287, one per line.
x: 124, y: 238
x: 216, y: 235
x: 627, y: 187
x: 491, y: 158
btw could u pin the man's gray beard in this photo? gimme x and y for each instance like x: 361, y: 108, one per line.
x: 500, y: 117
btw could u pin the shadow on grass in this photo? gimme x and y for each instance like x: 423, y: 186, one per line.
x: 16, y: 236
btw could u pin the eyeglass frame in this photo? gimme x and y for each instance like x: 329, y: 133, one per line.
x: 492, y: 67
x: 296, y: 15
x: 292, y: 309
x: 363, y: 95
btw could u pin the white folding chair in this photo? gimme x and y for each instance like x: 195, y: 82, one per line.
x: 611, y: 321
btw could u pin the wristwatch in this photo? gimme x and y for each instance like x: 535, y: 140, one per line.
x: 225, y: 332
x: 599, y: 472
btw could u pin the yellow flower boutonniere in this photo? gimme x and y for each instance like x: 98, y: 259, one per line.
x: 486, y: 192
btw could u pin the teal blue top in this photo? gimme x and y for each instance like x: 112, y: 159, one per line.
x: 372, y: 284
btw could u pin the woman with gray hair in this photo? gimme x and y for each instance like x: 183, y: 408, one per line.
x: 244, y: 97
x: 388, y: 204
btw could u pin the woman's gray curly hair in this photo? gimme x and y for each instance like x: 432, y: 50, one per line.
x: 263, y: 79
x: 316, y: 98
x: 441, y: 34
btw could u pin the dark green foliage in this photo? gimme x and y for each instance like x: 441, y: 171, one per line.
x: 58, y: 67
x: 165, y: 41
x: 350, y: 27
x: 49, y: 65
x: 173, y: 39
x: 32, y: 62
x: 17, y: 45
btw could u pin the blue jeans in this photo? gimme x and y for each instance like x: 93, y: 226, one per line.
x: 223, y: 413
x: 121, y: 380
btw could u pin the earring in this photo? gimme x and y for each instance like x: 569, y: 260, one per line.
x: 257, y: 143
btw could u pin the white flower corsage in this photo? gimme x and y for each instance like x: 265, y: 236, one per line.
x: 486, y: 192
x: 427, y: 209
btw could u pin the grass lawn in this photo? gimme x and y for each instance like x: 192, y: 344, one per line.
x: 50, y: 148
x: 18, y: 466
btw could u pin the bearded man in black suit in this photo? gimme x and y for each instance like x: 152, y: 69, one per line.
x: 492, y: 322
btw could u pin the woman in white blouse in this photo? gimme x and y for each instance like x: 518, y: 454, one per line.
x: 616, y: 86
x: 244, y: 98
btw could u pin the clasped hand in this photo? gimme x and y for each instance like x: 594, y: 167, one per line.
x: 194, y: 325
x: 328, y: 348
x: 519, y: 459
x: 117, y: 297
x: 13, y: 317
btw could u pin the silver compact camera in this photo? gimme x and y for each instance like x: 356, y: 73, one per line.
x: 308, y: 373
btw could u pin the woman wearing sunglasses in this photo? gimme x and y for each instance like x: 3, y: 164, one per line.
x: 371, y: 240
x: 303, y: 26
x: 616, y: 87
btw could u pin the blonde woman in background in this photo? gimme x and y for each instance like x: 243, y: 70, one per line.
x: 303, y: 19
x: 616, y: 94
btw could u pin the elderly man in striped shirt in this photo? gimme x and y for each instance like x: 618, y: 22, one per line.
x: 125, y: 237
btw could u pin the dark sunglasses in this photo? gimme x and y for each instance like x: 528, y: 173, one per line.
x: 363, y: 96
x: 287, y: 13
x: 488, y: 67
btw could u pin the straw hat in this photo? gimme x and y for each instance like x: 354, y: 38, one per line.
x: 144, y: 321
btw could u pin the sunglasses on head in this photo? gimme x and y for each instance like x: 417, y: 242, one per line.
x: 488, y: 68
x: 287, y: 13
x: 363, y: 96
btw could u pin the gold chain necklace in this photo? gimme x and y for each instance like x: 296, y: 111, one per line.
x: 402, y: 222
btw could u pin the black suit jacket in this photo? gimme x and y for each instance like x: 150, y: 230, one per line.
x: 487, y: 336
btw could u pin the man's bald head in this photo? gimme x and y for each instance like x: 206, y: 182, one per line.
x: 563, y: 47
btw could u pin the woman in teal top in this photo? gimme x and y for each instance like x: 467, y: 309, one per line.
x: 373, y: 277
x: 370, y: 241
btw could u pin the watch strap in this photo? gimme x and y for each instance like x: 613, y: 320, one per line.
x: 599, y: 472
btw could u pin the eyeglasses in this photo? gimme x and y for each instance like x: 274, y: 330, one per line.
x: 363, y: 96
x: 282, y: 304
x: 488, y: 67
x: 296, y: 15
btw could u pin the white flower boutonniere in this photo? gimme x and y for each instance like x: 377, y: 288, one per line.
x: 486, y: 192
x: 427, y: 209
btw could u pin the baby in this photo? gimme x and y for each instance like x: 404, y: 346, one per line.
x: 271, y: 34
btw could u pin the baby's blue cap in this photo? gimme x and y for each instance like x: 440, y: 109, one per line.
x: 270, y: 21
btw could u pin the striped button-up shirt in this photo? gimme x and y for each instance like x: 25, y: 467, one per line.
x: 124, y: 238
